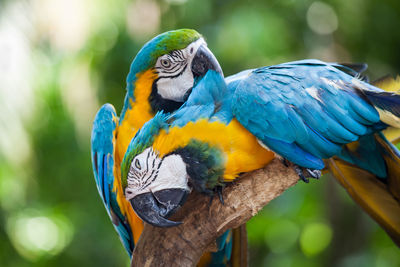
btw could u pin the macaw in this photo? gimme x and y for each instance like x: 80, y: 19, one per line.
x: 161, y: 78
x: 304, y: 111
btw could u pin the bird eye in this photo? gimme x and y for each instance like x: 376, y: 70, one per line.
x: 165, y: 63
x: 137, y: 164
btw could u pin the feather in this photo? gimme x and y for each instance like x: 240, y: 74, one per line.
x: 387, y: 101
x: 371, y: 194
x: 103, y: 142
x: 378, y: 197
x: 303, y: 110
x: 388, y: 83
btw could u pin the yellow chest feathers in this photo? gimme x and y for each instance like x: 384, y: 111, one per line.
x: 241, y: 149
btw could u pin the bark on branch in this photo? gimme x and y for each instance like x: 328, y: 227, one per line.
x: 202, y: 223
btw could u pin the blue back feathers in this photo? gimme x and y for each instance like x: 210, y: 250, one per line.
x: 304, y: 110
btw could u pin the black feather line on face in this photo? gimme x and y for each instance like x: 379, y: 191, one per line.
x: 158, y: 103
x: 151, y: 175
x: 171, y: 70
x: 155, y: 172
x: 176, y: 75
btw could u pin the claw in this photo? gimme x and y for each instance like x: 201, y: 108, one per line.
x: 285, y: 162
x: 299, y: 171
x: 211, y: 200
x: 315, y: 174
x: 219, y: 192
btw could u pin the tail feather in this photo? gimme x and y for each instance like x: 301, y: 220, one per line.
x: 388, y: 106
x: 392, y: 134
x: 371, y: 194
x: 231, y: 250
x: 392, y: 159
x: 386, y: 102
x: 388, y: 83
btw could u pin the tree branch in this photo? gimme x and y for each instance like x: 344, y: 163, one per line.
x: 202, y: 224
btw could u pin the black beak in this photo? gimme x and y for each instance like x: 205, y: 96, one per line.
x: 154, y: 208
x: 203, y: 61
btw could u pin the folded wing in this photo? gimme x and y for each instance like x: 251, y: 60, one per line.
x: 103, y: 142
x: 304, y: 110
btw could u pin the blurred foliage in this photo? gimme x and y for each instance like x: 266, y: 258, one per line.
x: 61, y: 59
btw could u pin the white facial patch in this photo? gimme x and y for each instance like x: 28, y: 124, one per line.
x: 172, y: 174
x: 155, y: 174
x: 174, y: 72
x: 143, y: 169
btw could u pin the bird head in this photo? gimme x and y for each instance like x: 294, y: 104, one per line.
x: 179, y: 59
x: 155, y: 186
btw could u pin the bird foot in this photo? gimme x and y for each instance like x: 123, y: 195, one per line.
x: 286, y: 162
x: 305, y: 173
x: 302, y: 172
x: 218, y: 190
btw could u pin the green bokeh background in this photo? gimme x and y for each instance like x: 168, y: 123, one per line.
x: 61, y: 59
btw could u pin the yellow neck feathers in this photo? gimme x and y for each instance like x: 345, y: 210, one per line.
x: 139, y: 113
x: 242, y: 151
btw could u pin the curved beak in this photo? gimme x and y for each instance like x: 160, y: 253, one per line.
x: 155, y: 208
x: 203, y: 61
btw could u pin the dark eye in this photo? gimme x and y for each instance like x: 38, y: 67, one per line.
x: 165, y: 63
x: 137, y: 164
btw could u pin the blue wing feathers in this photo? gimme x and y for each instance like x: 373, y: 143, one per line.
x: 387, y: 101
x: 304, y: 110
x: 103, y: 166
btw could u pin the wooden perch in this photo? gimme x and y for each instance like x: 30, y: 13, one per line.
x: 202, y: 223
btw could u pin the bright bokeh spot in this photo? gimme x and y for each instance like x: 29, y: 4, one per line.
x: 315, y: 238
x: 143, y: 19
x: 39, y: 236
x: 321, y: 18
x: 15, y: 76
x: 41, y: 232
x: 65, y: 22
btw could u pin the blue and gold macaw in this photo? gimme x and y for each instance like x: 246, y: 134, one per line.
x: 305, y: 111
x: 161, y: 78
